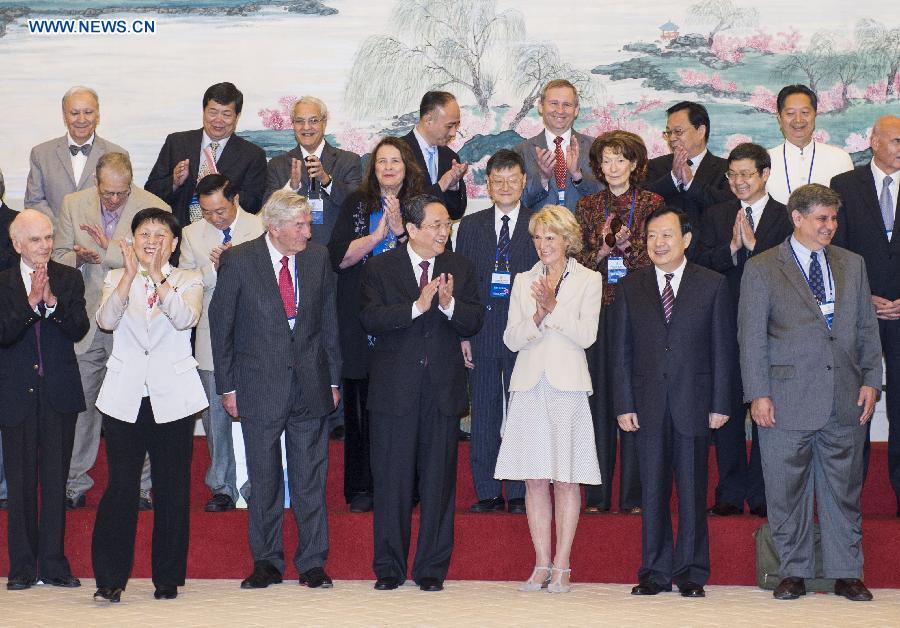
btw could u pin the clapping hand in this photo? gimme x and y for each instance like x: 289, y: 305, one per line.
x: 392, y: 214
x: 39, y: 284
x: 572, y: 157
x: 97, y: 234
x: 180, y: 173
x: 129, y: 258
x: 445, y: 290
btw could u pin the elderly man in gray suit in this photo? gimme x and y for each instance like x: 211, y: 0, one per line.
x: 273, y: 325
x: 557, y: 159
x: 64, y: 165
x: 811, y: 367
x: 91, y: 222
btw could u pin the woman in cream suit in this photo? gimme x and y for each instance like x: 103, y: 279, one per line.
x: 548, y: 435
x: 148, y: 399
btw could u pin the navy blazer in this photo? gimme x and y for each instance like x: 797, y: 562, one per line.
x: 476, y: 240
x: 8, y: 255
x: 685, y: 368
x: 406, y: 347
x: 60, y: 331
x: 861, y: 229
x: 243, y: 162
x: 454, y: 200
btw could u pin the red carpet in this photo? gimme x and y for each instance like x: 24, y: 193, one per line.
x: 488, y: 547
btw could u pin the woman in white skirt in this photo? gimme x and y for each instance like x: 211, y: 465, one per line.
x: 548, y: 435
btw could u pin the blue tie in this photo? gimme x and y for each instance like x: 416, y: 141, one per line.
x: 887, y: 204
x: 503, y: 243
x: 432, y: 163
x: 226, y: 235
x: 816, y: 281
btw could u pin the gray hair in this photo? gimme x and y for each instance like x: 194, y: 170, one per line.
x: 117, y: 162
x: 79, y: 89
x: 311, y: 100
x: 26, y: 215
x: 804, y: 198
x: 282, y: 207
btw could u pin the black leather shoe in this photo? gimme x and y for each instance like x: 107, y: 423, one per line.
x: 724, y: 509
x: 759, y: 511
x: 691, y: 589
x: 145, y: 502
x: 516, y: 506
x: 220, y: 502
x: 315, y: 578
x: 264, y: 574
x: 362, y: 503
x: 648, y: 587
x: 20, y: 583
x: 853, y: 589
x: 4, y: 504
x: 633, y: 510
x: 494, y: 504
x: 431, y: 584
x: 73, y: 502
x: 113, y: 596
x: 789, y: 588
x: 387, y: 583
x: 69, y: 582
x: 166, y: 592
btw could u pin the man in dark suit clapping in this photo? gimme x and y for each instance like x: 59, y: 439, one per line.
x: 418, y: 300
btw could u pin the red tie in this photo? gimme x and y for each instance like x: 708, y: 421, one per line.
x: 668, y: 298
x: 423, y: 278
x: 286, y: 288
x: 560, y: 168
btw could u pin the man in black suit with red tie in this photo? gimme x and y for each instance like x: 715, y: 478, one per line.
x: 439, y: 118
x: 690, y: 178
x: 867, y: 222
x: 42, y: 316
x: 675, y: 343
x: 732, y: 232
x: 188, y: 156
x: 418, y: 300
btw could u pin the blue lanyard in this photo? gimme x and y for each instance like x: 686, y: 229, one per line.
x: 505, y: 259
x: 806, y: 277
x: 787, y: 176
x: 630, y: 213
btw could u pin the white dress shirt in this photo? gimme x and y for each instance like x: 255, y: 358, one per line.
x: 415, y: 259
x: 498, y: 220
x: 879, y: 176
x: 805, y: 256
x: 676, y: 280
x: 305, y: 153
x: 550, y: 138
x: 292, y: 269
x: 829, y: 161
x: 79, y: 159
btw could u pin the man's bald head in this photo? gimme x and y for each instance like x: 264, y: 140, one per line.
x: 885, y: 142
x: 31, y: 233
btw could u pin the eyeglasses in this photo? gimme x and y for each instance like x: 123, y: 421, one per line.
x: 741, y: 176
x: 510, y: 181
x: 674, y: 132
x: 438, y: 226
x: 308, y: 121
x: 108, y: 196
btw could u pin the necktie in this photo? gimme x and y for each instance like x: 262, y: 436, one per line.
x: 423, y: 278
x: 84, y: 149
x: 668, y: 297
x: 432, y: 164
x: 749, y: 213
x: 503, y: 243
x: 815, y: 278
x: 226, y: 235
x: 286, y: 288
x: 207, y: 166
x: 559, y: 169
x: 887, y: 204
x: 37, y: 340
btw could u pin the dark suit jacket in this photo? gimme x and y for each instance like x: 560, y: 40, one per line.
x: 403, y: 345
x: 714, y: 250
x: 243, y: 162
x: 454, y: 200
x: 255, y: 352
x: 18, y: 345
x: 8, y: 255
x: 709, y: 186
x: 861, y: 229
x: 476, y: 240
x: 685, y: 367
x: 345, y: 170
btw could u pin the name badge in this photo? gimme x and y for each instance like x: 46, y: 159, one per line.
x: 827, y: 309
x: 615, y: 269
x: 318, y: 210
x: 561, y: 196
x: 500, y: 282
x: 194, y: 204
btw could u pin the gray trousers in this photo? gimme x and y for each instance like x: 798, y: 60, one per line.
x: 220, y: 476
x: 92, y: 367
x: 825, y: 464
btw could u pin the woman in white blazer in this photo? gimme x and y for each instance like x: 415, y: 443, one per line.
x: 548, y: 435
x: 149, y: 396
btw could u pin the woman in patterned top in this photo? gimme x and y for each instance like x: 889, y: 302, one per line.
x: 612, y: 222
x: 369, y: 224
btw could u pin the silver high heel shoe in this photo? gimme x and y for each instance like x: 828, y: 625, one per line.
x: 529, y: 586
x: 556, y: 585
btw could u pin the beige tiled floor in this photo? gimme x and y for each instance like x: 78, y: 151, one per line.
x: 355, y: 603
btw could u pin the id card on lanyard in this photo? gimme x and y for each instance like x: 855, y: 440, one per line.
x: 615, y: 264
x: 316, y: 205
x: 827, y: 306
x: 501, y: 278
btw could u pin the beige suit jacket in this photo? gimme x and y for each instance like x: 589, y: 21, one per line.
x: 81, y: 208
x: 197, y: 241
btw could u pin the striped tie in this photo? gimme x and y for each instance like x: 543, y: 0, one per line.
x: 668, y: 298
